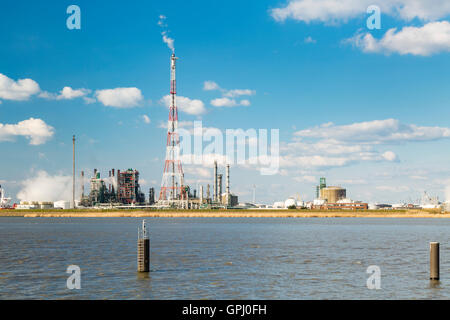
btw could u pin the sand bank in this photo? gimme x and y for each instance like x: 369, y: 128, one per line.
x: 230, y: 214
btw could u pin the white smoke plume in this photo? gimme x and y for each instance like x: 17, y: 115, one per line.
x: 167, y: 40
x: 447, y: 194
x: 45, y: 187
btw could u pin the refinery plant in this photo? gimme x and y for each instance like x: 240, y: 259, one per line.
x: 121, y: 189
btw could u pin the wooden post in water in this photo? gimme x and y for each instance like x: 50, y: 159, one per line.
x: 143, y: 254
x: 434, y: 260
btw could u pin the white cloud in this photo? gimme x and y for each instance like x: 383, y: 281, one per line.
x: 227, y: 102
x: 36, y: 130
x: 309, y: 39
x: 305, y: 179
x: 120, y: 97
x: 393, y: 188
x: 67, y: 93
x: 44, y: 187
x: 389, y: 156
x: 227, y: 95
x: 190, y: 106
x: 210, y: 85
x: 197, y: 171
x: 146, y: 118
x: 333, y: 11
x: 429, y: 39
x: 376, y: 132
x: 19, y: 90
x: 239, y: 92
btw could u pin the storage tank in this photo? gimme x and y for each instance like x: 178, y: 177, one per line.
x: 290, y: 202
x: 333, y: 194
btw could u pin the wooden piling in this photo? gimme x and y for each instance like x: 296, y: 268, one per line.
x: 434, y: 261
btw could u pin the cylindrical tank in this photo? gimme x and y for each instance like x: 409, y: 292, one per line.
x: 333, y: 194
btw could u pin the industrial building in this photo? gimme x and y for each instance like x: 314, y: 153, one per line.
x: 120, y: 189
x: 334, y: 197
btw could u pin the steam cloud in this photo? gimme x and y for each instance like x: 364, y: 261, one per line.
x: 44, y: 187
x: 447, y: 194
x: 167, y: 40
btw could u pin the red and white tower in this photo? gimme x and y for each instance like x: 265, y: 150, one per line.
x: 172, y: 188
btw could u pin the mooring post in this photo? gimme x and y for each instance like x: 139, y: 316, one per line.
x: 143, y: 254
x: 434, y: 260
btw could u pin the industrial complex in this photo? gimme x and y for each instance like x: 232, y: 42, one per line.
x: 121, y: 188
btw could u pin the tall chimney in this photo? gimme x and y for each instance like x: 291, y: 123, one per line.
x: 73, y: 172
x: 215, y: 182
x: 82, y: 184
x: 201, y: 195
x: 228, y: 179
x: 219, y: 195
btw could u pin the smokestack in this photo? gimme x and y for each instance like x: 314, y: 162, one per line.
x: 228, y: 179
x: 95, y: 173
x: 219, y: 196
x: 73, y: 173
x: 208, y: 193
x: 215, y: 182
x: 201, y: 195
x: 109, y: 186
x: 82, y: 184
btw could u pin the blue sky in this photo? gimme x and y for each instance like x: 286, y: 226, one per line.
x: 315, y: 73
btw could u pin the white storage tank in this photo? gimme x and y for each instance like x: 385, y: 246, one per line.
x: 62, y: 204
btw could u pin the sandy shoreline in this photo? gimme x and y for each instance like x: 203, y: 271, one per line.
x: 229, y: 214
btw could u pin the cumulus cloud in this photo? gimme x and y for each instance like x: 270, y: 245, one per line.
x: 228, y: 96
x: 67, y: 93
x: 19, y: 90
x: 45, y: 187
x: 197, y: 171
x: 35, y: 130
x: 210, y: 85
x: 146, y: 118
x: 429, y: 39
x: 184, y: 104
x: 334, y: 11
x: 389, y: 156
x: 238, y: 93
x: 120, y: 97
x: 330, y: 145
x: 376, y: 132
x: 227, y: 102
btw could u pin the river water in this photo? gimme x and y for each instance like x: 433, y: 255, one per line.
x: 223, y: 258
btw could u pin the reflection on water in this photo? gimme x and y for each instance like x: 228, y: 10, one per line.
x: 220, y: 258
